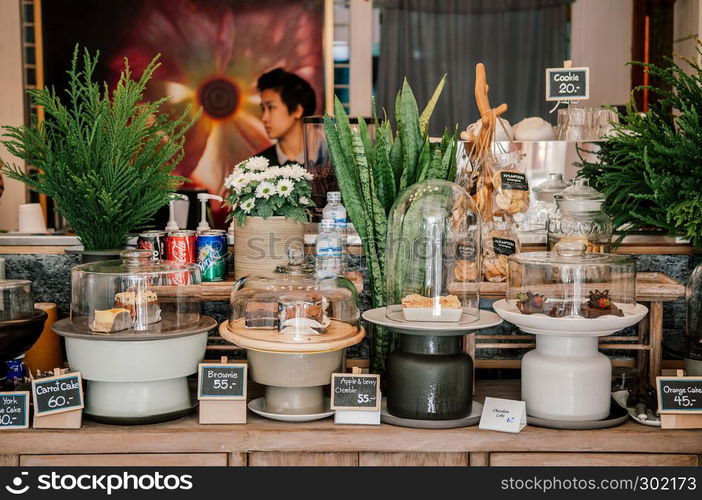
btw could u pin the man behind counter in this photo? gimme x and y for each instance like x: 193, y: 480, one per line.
x: 285, y: 99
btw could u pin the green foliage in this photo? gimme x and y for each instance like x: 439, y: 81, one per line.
x: 105, y: 158
x: 372, y: 173
x: 651, y: 168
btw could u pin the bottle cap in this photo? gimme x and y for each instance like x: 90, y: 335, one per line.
x: 333, y: 196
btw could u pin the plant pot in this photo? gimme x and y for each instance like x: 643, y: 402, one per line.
x: 87, y: 256
x: 262, y: 244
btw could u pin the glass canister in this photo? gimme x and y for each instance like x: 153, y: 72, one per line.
x: 537, y: 215
x: 692, y: 348
x: 579, y: 217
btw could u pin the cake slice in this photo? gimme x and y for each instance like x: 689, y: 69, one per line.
x: 301, y: 310
x: 111, y: 320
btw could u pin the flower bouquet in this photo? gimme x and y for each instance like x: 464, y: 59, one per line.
x: 258, y: 189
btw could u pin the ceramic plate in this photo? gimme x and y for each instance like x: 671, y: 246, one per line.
x: 617, y: 416
x: 620, y: 397
x: 256, y: 406
x: 546, y: 325
x: 471, y: 419
x: 378, y: 317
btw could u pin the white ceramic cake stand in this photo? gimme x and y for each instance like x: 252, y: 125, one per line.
x: 293, y: 368
x: 136, y: 378
x: 566, y: 377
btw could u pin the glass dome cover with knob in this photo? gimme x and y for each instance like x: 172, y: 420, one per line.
x: 433, y: 255
x: 16, y: 299
x: 135, y: 295
x: 571, y: 283
x: 296, y: 305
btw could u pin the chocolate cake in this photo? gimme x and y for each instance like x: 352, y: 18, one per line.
x: 600, y: 304
x: 261, y: 311
x: 301, y: 305
x: 530, y: 303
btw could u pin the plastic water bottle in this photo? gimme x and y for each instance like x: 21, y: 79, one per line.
x: 329, y: 248
x: 336, y: 212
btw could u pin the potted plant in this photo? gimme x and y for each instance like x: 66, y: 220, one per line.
x: 371, y: 175
x: 270, y: 205
x: 105, y: 157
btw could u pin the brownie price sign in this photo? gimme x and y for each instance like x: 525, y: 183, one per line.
x: 355, y: 392
x: 57, y: 394
x: 222, y: 381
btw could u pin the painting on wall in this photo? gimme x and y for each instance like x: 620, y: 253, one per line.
x: 211, y: 53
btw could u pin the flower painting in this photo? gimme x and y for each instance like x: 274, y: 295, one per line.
x: 212, y: 53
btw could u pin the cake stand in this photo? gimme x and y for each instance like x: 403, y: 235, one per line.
x: 136, y: 378
x: 429, y: 376
x: 566, y: 378
x: 294, y: 368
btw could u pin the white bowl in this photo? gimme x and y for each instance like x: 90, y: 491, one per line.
x: 533, y: 129
x: 430, y: 314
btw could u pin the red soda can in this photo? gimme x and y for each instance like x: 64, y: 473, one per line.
x: 180, y: 247
x: 155, y: 241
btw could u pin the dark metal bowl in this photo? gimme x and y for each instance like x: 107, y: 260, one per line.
x: 18, y: 335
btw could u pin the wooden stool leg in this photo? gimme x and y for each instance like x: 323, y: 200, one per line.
x: 656, y: 341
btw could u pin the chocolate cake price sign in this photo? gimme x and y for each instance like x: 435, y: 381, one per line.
x: 14, y: 410
x: 57, y: 394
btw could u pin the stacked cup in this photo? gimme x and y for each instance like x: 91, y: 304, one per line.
x: 31, y: 218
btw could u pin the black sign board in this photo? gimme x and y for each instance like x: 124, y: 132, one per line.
x: 217, y: 381
x: 14, y: 410
x: 503, y: 246
x: 514, y: 180
x: 355, y: 392
x: 57, y: 394
x: 679, y: 394
x: 567, y: 84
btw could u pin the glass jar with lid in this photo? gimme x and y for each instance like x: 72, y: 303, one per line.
x: 544, y: 203
x: 579, y: 217
x: 135, y: 295
x: 16, y: 299
x: 433, y: 255
x: 571, y: 282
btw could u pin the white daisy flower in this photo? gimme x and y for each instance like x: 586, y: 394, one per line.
x: 236, y: 181
x: 265, y: 189
x: 257, y: 164
x: 284, y: 187
x: 305, y: 200
x: 248, y: 205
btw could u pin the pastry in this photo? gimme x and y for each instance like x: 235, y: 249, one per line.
x: 261, y: 311
x: 111, y: 320
x: 495, y: 268
x: 416, y: 300
x: 464, y: 270
x: 599, y: 304
x: 142, y: 306
x: 530, y: 303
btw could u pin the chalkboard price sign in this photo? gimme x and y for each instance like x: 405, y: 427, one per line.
x: 355, y: 392
x: 14, y: 410
x: 57, y: 394
x: 567, y: 84
x: 679, y: 394
x: 217, y: 381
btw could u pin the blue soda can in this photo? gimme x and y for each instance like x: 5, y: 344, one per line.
x: 211, y: 252
x: 15, y: 370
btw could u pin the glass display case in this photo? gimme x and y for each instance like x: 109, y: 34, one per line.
x: 693, y: 327
x: 544, y: 204
x: 433, y: 253
x: 579, y: 217
x: 571, y: 282
x: 16, y: 300
x: 135, y: 295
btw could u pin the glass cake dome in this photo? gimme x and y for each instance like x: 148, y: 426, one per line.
x: 135, y: 295
x: 16, y: 300
x: 295, y: 305
x: 433, y: 255
x: 571, y: 282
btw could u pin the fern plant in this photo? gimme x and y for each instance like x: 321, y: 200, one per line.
x: 372, y: 174
x: 651, y: 167
x: 106, y: 158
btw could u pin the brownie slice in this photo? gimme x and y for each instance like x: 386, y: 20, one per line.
x: 261, y: 314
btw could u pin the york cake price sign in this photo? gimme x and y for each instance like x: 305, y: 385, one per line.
x: 57, y: 394
x: 14, y: 410
x: 355, y: 392
x: 679, y: 394
x: 217, y: 381
x: 567, y: 84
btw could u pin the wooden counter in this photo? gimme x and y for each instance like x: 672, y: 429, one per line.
x: 268, y: 442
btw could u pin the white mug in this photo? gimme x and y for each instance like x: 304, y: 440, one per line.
x: 31, y: 218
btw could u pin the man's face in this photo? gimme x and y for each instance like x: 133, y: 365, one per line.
x: 275, y: 116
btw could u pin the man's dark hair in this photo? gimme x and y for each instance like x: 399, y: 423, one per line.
x: 293, y: 90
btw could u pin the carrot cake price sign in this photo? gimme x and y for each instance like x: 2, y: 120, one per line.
x: 57, y: 394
